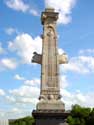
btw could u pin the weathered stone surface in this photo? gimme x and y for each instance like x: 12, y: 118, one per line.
x: 50, y: 117
x: 50, y: 110
x: 63, y: 58
x: 51, y: 105
x: 49, y: 60
x: 37, y: 58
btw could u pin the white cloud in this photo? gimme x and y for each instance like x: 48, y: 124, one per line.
x: 25, y: 97
x: 13, y: 113
x: 34, y: 82
x: 25, y: 45
x: 18, y: 77
x: 20, y: 102
x: 25, y: 91
x: 86, y: 52
x: 10, y: 30
x: 64, y: 7
x: 10, y: 99
x: 18, y: 5
x: 2, y: 92
x: 7, y: 63
x: 81, y: 64
x: 63, y: 81
x: 34, y: 12
x: 61, y: 51
x: 72, y: 98
x: 1, y: 49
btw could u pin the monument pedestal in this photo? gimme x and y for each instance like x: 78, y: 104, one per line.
x: 50, y: 105
x: 50, y: 117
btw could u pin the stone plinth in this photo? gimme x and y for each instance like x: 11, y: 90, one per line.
x: 51, y: 105
x: 50, y: 117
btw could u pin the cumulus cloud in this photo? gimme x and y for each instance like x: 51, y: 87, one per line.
x: 10, y: 31
x: 21, y: 101
x: 72, y: 98
x: 13, y: 113
x: 87, y: 52
x: 7, y: 63
x: 18, y: 77
x: 34, y: 82
x: 63, y: 81
x: 18, y: 5
x: 64, y: 7
x: 25, y: 91
x: 10, y: 99
x: 24, y: 45
x: 19, y: 113
x: 2, y: 92
x: 61, y: 51
x: 81, y: 64
x: 34, y: 12
x: 1, y: 49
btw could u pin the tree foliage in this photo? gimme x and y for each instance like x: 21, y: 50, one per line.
x: 22, y: 121
x: 81, y: 116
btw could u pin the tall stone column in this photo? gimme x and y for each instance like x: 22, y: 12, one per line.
x: 49, y: 60
x: 49, y: 84
x: 50, y: 110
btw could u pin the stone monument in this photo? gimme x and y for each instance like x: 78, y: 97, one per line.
x: 4, y: 122
x: 50, y: 109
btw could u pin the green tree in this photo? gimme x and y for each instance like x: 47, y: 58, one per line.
x: 90, y: 119
x: 23, y: 121
x: 80, y: 116
x: 70, y: 120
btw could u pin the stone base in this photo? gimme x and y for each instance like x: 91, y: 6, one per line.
x: 51, y: 105
x: 50, y: 117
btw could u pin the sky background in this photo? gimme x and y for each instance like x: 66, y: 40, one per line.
x: 20, y: 31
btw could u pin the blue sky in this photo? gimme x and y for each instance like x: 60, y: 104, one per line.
x: 20, y: 30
